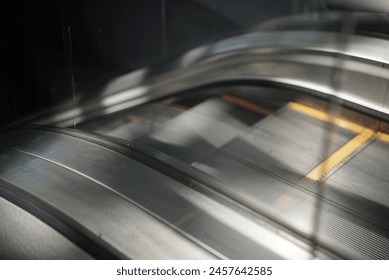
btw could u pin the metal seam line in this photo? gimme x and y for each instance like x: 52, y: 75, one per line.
x: 131, y: 201
x: 247, y: 105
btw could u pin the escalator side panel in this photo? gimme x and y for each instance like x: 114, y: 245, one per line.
x: 103, y: 213
x: 23, y: 236
x: 166, y: 198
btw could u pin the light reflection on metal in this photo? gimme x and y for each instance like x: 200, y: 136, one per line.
x: 124, y: 96
x: 297, y: 58
x: 337, y: 79
x: 371, y: 5
x: 125, y: 82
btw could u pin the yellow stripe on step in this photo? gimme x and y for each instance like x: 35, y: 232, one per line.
x: 341, y: 154
x: 383, y: 136
x: 247, y: 105
x: 317, y: 114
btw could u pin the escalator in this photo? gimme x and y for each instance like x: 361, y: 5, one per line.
x: 211, y: 174
x: 270, y: 157
x: 266, y: 145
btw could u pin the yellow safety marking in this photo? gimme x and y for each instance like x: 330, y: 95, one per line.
x: 320, y: 171
x: 383, y: 136
x: 178, y: 107
x: 132, y: 118
x: 247, y: 105
x: 317, y: 114
x: 334, y: 120
x: 342, y: 153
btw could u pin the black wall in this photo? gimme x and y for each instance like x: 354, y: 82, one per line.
x: 44, y: 41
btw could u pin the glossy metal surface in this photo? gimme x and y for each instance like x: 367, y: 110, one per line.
x: 261, y: 149
x: 136, y: 210
x: 23, y: 236
x: 301, y: 59
x: 208, y: 180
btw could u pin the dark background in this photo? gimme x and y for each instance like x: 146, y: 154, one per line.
x: 44, y: 41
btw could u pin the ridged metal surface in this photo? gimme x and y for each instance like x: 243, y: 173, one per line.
x: 153, y: 114
x: 256, y: 170
x: 264, y: 166
x: 190, y: 136
x: 287, y: 144
x: 131, y: 207
x: 101, y: 211
x: 365, y: 172
x: 23, y: 236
